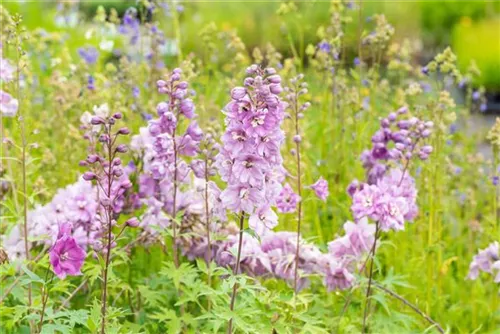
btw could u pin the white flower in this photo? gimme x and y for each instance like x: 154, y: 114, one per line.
x: 106, y: 45
x: 102, y: 110
x: 86, y: 118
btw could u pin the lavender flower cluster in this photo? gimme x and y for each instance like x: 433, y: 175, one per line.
x: 166, y: 169
x: 487, y: 260
x: 8, y: 104
x: 389, y: 195
x: 250, y: 161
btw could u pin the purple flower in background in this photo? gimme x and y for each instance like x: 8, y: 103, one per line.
x: 90, y: 83
x: 358, y: 240
x: 8, y: 105
x: 483, y: 107
x: 356, y: 61
x: 66, y: 257
x: 89, y: 54
x: 6, y: 70
x: 494, y: 180
x: 287, y: 200
x: 135, y: 92
x: 320, y: 188
x: 130, y: 26
x: 325, y: 47
x: 476, y: 95
x: 484, y: 261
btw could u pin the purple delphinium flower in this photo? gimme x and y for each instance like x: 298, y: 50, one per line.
x: 8, y: 105
x: 486, y: 260
x: 358, y: 240
x: 287, y: 200
x: 250, y: 160
x: 66, y: 257
x: 6, y: 70
x: 130, y: 26
x: 320, y: 188
x: 89, y: 54
x: 325, y: 47
x: 90, y: 83
x: 337, y: 276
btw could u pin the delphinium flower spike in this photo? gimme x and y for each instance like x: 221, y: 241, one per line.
x: 250, y: 161
x: 389, y: 195
x: 105, y: 169
x: 167, y: 169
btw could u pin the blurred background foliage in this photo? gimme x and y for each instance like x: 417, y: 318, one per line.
x: 471, y: 28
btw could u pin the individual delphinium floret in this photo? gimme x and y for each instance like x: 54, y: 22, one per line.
x: 250, y: 161
x: 106, y: 170
x: 487, y: 260
x: 66, y: 256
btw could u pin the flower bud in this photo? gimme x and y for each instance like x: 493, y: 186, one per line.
x: 83, y: 163
x: 275, y: 79
x: 92, y: 158
x: 248, y: 81
x: 132, y: 222
x: 161, y: 83
x: 182, y: 85
x: 117, y: 172
x: 238, y: 93
x: 96, y: 120
x: 124, y: 131
x: 426, y: 149
x: 117, y: 115
x: 297, y: 139
x: 275, y: 89
x: 122, y: 148
x: 403, y: 110
x: 162, y: 108
x: 270, y: 71
x: 89, y: 176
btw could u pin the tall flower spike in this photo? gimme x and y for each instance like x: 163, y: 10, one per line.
x: 166, y: 155
x: 105, y: 168
x: 250, y: 160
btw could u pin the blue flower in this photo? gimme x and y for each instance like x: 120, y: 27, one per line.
x: 89, y: 54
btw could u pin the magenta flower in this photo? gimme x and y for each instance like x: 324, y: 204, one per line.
x: 287, y: 200
x: 321, y: 188
x: 66, y: 257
